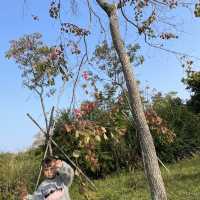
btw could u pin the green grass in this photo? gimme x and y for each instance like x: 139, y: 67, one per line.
x: 182, y: 183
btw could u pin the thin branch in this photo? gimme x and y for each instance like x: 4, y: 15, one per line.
x: 86, y: 49
x: 60, y: 94
x: 90, y: 11
x: 50, y: 121
x: 127, y: 19
x: 35, y: 122
x: 97, y: 16
x: 163, y: 165
x: 157, y: 46
x: 40, y: 172
x: 43, y: 110
x: 48, y: 142
x: 76, y: 80
x: 168, y: 50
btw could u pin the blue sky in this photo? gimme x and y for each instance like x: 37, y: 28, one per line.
x: 160, y: 70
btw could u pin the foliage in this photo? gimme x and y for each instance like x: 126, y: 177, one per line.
x: 89, y: 140
x: 39, y: 63
x: 101, y: 135
x: 102, y: 138
x: 106, y: 58
x: 183, y: 122
x: 159, y: 127
x: 197, y: 10
x: 192, y: 82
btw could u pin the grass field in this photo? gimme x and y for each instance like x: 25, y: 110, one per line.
x: 182, y: 183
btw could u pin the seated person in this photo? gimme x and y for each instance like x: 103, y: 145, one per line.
x: 58, y: 178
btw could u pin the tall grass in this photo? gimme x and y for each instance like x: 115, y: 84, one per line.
x: 17, y: 169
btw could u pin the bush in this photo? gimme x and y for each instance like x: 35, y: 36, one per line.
x: 184, y: 123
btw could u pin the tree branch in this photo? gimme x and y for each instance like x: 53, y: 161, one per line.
x: 108, y: 8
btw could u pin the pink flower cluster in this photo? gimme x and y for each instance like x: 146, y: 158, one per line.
x: 85, y: 75
x: 85, y: 108
x: 54, y: 54
x: 77, y: 113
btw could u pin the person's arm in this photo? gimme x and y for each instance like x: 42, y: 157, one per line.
x: 66, y: 173
x: 37, y: 195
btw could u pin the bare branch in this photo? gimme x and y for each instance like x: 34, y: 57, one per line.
x: 97, y: 16
x: 76, y: 80
x: 168, y: 50
x: 43, y: 108
x: 40, y: 172
x: 126, y: 18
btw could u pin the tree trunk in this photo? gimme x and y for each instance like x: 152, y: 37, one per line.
x: 150, y: 160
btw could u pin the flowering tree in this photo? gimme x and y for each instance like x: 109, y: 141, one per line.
x: 39, y: 63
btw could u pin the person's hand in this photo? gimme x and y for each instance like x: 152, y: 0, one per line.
x: 23, y: 195
x: 56, y: 164
x: 23, y: 192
